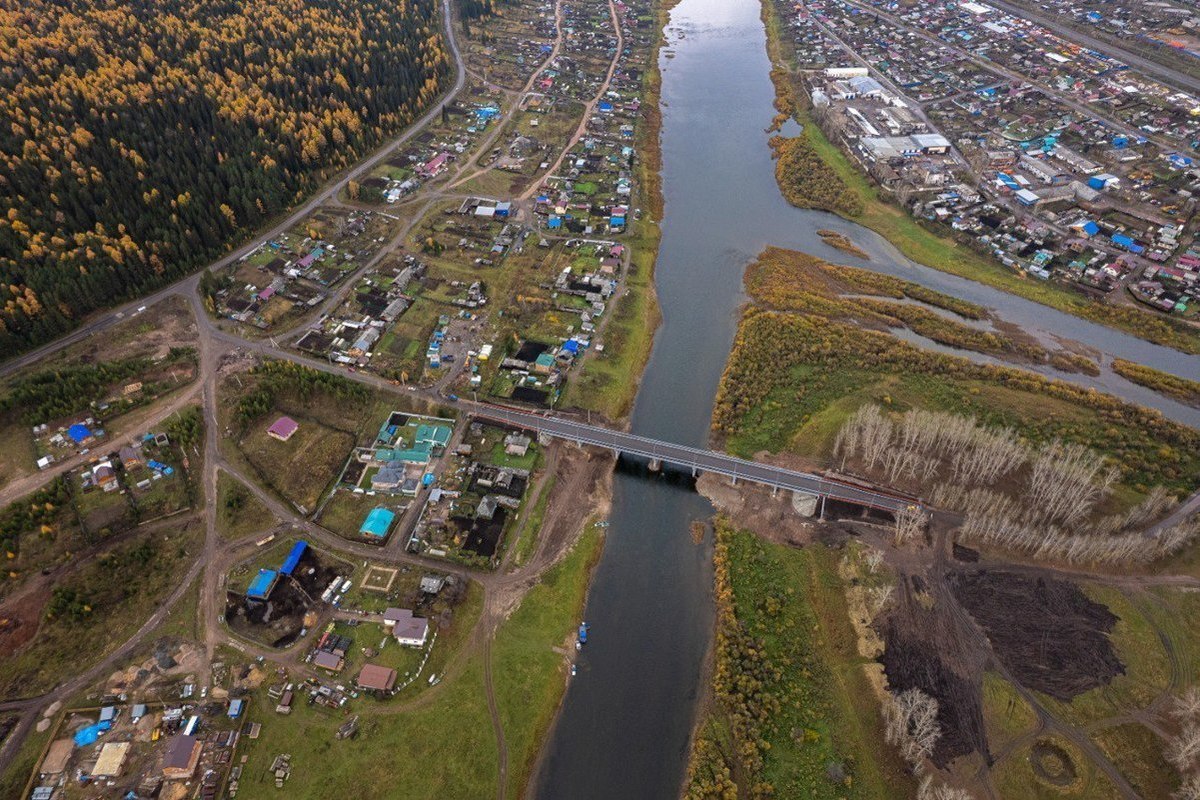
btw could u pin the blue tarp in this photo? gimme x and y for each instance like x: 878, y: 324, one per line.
x: 79, y: 432
x: 293, y: 558
x: 91, y: 733
x: 571, y: 346
x: 1091, y: 228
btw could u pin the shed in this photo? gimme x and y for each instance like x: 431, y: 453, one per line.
x: 283, y: 428
x: 111, y: 760
x: 329, y: 661
x: 260, y: 588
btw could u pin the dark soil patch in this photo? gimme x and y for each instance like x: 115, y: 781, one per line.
x: 483, y: 535
x: 1046, y: 632
x: 527, y: 395
x: 965, y: 554
x: 530, y: 350
x: 279, y: 620
x: 924, y: 653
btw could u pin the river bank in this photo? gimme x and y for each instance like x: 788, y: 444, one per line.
x: 934, y: 250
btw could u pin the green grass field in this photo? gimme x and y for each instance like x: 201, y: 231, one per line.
x: 1147, y: 665
x: 1138, y: 754
x: 239, y: 512
x: 300, y: 468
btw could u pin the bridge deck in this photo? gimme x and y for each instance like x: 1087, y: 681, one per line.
x: 694, y: 458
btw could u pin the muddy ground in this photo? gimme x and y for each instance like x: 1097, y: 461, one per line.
x: 279, y: 620
x: 1046, y: 632
x: 928, y: 649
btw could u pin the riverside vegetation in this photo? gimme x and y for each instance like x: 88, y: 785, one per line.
x: 802, y: 365
x: 784, y: 677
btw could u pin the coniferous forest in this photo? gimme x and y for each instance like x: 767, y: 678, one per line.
x: 138, y: 138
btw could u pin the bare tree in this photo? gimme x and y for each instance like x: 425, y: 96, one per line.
x: 1184, y: 748
x: 910, y: 719
x: 878, y: 597
x: 1187, y: 705
x: 928, y: 790
x: 1066, y: 481
x: 910, y: 521
x: 873, y: 558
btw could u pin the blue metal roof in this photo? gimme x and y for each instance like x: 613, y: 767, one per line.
x: 262, y: 584
x: 293, y: 558
x: 378, y: 522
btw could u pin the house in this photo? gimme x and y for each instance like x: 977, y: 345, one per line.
x: 543, y: 363
x: 104, y: 475
x: 390, y: 476
x: 180, y: 758
x: 409, y: 630
x: 131, y: 457
x: 376, y: 678
x: 435, y: 436
x: 516, y: 444
x: 283, y: 428
x: 330, y: 661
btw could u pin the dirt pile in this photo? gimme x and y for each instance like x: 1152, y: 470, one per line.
x: 1046, y: 632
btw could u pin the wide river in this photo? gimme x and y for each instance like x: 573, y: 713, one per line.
x: 624, y: 726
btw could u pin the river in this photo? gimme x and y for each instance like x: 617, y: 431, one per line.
x: 624, y: 726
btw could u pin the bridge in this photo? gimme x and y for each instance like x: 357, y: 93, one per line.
x: 692, y: 458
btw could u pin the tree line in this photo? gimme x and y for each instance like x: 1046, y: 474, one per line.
x: 142, y: 137
x: 276, y: 378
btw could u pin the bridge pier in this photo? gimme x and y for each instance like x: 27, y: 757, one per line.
x: 804, y: 504
x: 656, y: 465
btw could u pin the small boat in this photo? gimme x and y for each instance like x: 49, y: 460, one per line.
x: 583, y: 629
x: 578, y: 645
x: 573, y: 670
